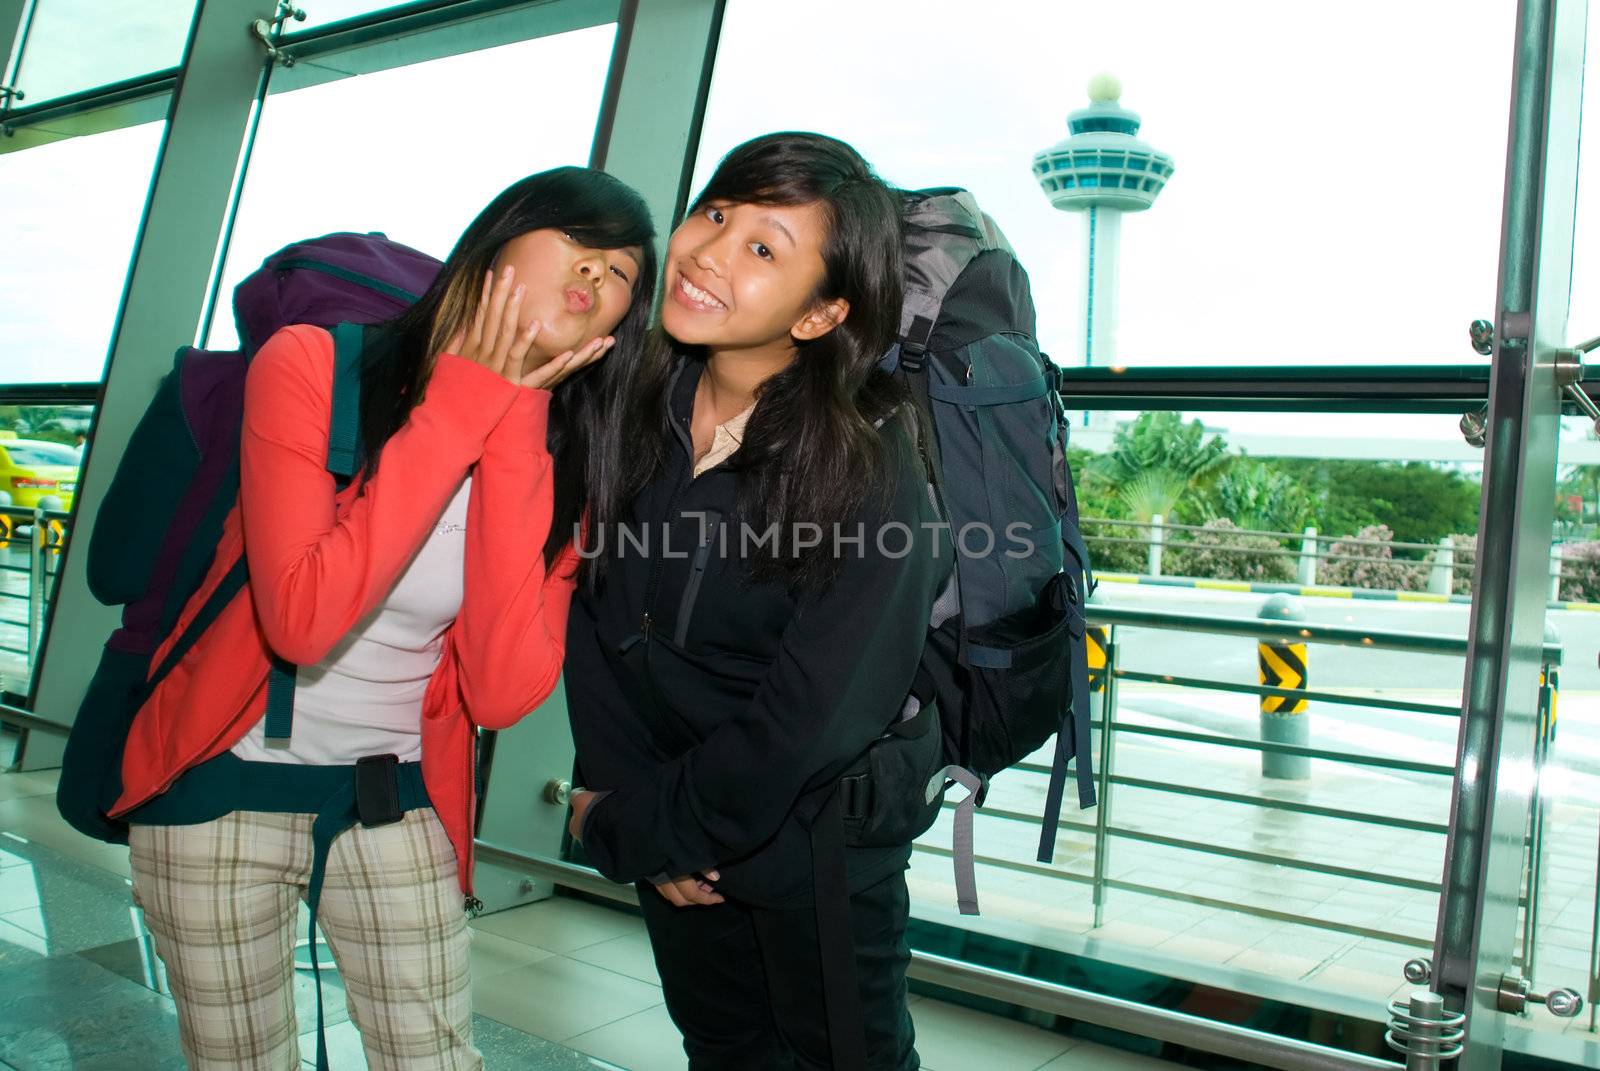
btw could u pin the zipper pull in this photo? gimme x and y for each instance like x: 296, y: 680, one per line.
x: 645, y: 624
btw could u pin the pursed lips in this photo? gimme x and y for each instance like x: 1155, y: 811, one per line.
x: 578, y: 298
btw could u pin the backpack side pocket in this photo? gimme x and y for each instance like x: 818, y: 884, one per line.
x: 1021, y: 680
x: 885, y: 801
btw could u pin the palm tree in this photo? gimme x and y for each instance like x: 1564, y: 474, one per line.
x: 1154, y: 462
x: 1256, y: 496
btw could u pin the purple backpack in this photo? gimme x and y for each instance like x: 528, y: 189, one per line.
x: 160, y: 521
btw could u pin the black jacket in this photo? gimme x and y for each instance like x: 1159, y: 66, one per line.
x: 706, y: 706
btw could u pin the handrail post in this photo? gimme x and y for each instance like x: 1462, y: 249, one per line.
x: 1306, y: 567
x: 1102, y: 817
x: 1442, y: 572
x: 1157, y: 538
x: 36, y: 583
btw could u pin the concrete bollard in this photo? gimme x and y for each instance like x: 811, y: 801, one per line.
x: 1283, y: 664
x: 1157, y: 539
x: 1306, y: 567
x: 1443, y: 569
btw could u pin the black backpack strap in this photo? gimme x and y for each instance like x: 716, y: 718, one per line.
x: 841, y: 991
x: 1072, y: 740
x: 230, y: 585
x: 344, y: 461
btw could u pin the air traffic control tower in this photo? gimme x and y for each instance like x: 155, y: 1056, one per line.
x: 1102, y: 170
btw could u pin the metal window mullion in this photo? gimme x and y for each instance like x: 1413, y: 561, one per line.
x: 14, y: 18
x: 209, y: 121
x: 651, y: 136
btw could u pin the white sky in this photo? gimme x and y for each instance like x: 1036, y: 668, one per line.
x: 1336, y: 196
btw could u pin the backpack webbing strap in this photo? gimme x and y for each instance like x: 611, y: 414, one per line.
x: 280, y: 702
x: 337, y: 814
x: 1072, y: 739
x: 344, y: 460
x: 841, y: 993
x: 1027, y: 390
x: 1073, y: 538
x: 344, y: 422
x: 231, y: 584
x: 961, y: 832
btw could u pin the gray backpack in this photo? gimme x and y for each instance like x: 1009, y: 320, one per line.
x: 1009, y: 629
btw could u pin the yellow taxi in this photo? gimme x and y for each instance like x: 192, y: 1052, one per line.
x: 34, y: 472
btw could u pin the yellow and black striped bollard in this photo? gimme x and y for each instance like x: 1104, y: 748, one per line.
x: 1098, y: 637
x: 55, y: 536
x: 1284, y: 664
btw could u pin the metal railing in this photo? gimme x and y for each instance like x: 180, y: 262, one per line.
x: 1112, y: 727
x: 31, y: 544
x: 1440, y: 568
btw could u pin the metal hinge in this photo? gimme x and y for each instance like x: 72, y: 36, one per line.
x: 266, y: 31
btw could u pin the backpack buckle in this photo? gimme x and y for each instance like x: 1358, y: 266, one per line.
x: 855, y: 796
x: 911, y: 356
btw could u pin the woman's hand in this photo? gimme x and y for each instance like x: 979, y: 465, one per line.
x: 580, y: 806
x: 679, y: 892
x: 495, y: 340
x: 557, y: 369
x: 691, y: 889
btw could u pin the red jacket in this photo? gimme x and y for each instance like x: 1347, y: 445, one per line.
x: 319, y: 562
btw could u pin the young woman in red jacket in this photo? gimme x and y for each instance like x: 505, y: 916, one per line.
x: 427, y: 599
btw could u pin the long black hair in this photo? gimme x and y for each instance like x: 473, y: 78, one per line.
x: 597, y: 211
x: 811, y: 452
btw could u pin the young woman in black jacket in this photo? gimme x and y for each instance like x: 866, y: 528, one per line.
x: 754, y: 618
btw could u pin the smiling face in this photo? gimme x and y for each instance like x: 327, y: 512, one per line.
x: 745, y: 277
x: 578, y: 293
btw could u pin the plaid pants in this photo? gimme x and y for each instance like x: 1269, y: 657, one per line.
x: 221, y: 899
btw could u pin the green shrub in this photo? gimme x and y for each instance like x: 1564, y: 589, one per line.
x: 1223, y: 551
x: 1580, y: 572
x: 1367, y: 561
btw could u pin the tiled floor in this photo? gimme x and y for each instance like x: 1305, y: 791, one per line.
x: 560, y: 984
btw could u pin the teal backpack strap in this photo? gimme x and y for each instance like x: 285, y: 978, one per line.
x: 344, y: 461
x: 344, y: 424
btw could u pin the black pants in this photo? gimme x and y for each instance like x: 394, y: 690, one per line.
x: 744, y: 984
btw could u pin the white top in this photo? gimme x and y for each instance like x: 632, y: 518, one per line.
x: 365, y: 697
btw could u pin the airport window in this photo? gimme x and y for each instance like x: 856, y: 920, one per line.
x: 66, y: 257
x: 72, y: 46
x: 358, y: 154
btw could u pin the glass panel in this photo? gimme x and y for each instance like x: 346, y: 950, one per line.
x: 1414, y: 270
x: 69, y: 214
x: 74, y: 45
x: 1563, y: 916
x: 41, y: 451
x: 322, y: 12
x: 363, y: 154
